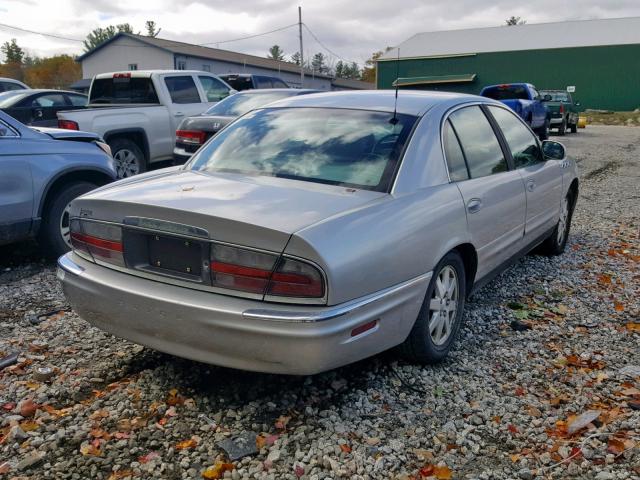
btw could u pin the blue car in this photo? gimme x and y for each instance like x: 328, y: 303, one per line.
x: 41, y: 171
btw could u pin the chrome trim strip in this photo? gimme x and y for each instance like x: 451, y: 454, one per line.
x: 68, y: 265
x: 331, y: 312
x: 157, y: 225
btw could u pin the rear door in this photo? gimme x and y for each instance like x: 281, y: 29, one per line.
x: 45, y: 107
x: 494, y: 195
x: 213, y: 89
x: 542, y: 178
x: 185, y: 98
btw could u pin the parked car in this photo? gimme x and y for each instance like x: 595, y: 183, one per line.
x: 321, y: 230
x: 194, y: 131
x: 524, y: 99
x: 43, y: 170
x: 563, y: 111
x: 39, y: 107
x: 247, y: 81
x: 8, y: 84
x: 138, y: 112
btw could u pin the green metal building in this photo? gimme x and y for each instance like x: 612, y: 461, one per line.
x: 599, y: 58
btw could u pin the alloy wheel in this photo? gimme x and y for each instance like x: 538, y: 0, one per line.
x: 127, y: 163
x: 65, y: 229
x: 443, y: 305
x: 563, y: 221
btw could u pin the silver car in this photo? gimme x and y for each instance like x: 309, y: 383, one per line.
x: 320, y: 230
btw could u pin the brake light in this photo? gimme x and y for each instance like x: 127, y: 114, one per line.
x: 561, y: 108
x: 122, y: 75
x: 102, y: 241
x: 192, y: 137
x: 68, y: 125
x: 262, y: 273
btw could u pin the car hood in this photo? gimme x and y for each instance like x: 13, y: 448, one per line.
x: 62, y: 134
x: 258, y: 211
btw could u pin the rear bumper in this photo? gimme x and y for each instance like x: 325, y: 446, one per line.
x: 181, y: 156
x: 236, y: 332
x: 556, y: 120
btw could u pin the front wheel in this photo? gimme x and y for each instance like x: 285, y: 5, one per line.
x: 129, y: 159
x: 440, y: 317
x: 55, y: 234
x: 557, y: 241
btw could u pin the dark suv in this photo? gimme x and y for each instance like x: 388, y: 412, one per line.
x: 246, y: 81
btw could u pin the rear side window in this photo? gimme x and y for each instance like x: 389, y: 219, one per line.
x: 506, y: 92
x: 213, y: 88
x: 453, y: 152
x: 479, y: 143
x: 522, y: 143
x: 182, y: 89
x: 51, y: 100
x: 9, y: 86
x: 123, y: 90
x: 77, y: 100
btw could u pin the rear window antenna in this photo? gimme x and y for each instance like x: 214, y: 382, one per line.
x: 394, y: 120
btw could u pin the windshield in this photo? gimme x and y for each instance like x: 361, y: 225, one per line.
x: 241, y: 103
x: 8, y: 99
x: 507, y: 92
x: 556, y: 96
x: 355, y: 148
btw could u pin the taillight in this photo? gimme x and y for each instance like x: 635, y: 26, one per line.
x: 104, y: 147
x: 102, y: 241
x: 561, y: 108
x: 192, y: 137
x: 263, y: 273
x: 68, y: 125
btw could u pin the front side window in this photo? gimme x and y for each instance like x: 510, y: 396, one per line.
x: 334, y: 146
x: 479, y: 143
x: 6, y: 130
x: 453, y: 152
x: 213, y: 88
x: 522, y: 143
x: 182, y: 89
x: 263, y: 82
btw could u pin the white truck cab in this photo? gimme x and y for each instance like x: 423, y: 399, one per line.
x: 137, y: 112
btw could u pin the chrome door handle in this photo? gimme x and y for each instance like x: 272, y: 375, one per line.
x: 474, y: 205
x: 531, y: 185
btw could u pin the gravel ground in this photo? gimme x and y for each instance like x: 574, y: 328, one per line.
x: 505, y: 404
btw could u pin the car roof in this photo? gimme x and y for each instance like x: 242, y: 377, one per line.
x: 292, y: 91
x: 245, y: 75
x: 32, y: 91
x: 410, y: 102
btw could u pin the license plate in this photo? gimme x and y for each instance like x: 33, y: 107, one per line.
x: 175, y: 255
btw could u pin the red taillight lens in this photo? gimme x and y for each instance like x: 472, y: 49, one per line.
x: 101, y: 240
x: 192, y: 137
x: 68, y: 125
x: 561, y: 108
x: 253, y: 272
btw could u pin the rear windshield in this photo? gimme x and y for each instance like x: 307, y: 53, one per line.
x: 241, y: 103
x: 123, y: 90
x: 557, y: 96
x: 355, y: 148
x: 506, y: 92
x: 238, y: 83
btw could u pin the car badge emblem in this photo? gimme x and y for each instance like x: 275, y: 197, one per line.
x: 216, y: 125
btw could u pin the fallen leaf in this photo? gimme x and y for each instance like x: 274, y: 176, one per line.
x: 5, y: 467
x: 615, y: 446
x: 282, y: 422
x: 619, y: 307
x: 191, y: 443
x: 512, y: 428
x: 99, y: 414
x: 9, y: 406
x: 604, y: 279
x: 519, y: 391
x: 148, y: 457
x: 217, y: 470
x: 633, y: 327
x: 514, y: 457
x: 345, y: 448
x: 582, y: 420
x: 261, y: 441
x: 121, y: 435
x: 29, y: 426
x: 424, y: 454
x: 298, y: 470
x: 120, y: 474
x: 88, y: 449
x: 426, y: 471
x: 28, y: 408
x: 442, y: 472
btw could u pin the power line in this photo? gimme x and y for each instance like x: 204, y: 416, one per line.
x: 40, y: 33
x: 250, y: 36
x: 331, y: 52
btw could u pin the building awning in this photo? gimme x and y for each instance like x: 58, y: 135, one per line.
x: 462, y: 78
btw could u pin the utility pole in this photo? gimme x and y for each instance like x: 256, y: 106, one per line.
x: 301, y: 54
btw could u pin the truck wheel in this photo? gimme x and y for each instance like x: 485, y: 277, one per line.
x: 54, y: 234
x: 543, y: 131
x: 574, y: 128
x: 128, y: 157
x: 562, y: 129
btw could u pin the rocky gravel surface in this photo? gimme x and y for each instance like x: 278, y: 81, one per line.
x: 544, y: 381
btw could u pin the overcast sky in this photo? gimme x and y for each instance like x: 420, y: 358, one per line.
x: 351, y: 29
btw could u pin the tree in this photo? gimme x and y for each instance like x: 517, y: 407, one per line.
x: 276, y: 53
x: 152, y: 30
x: 58, y: 72
x: 347, y: 70
x: 295, y: 58
x: 369, y: 70
x: 12, y: 52
x: 100, y: 35
x: 511, y: 21
x: 339, y: 71
x: 318, y: 63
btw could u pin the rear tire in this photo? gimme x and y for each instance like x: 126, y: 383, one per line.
x: 562, y: 129
x: 574, y: 128
x: 128, y: 157
x: 556, y: 242
x: 440, y: 317
x: 54, y: 235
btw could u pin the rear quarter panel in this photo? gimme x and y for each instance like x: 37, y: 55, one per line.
x: 386, y: 243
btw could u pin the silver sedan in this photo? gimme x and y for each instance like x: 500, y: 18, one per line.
x: 320, y: 230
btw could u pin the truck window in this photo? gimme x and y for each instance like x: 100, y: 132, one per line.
x: 506, y: 92
x: 237, y: 82
x: 123, y: 89
x: 182, y: 89
x: 213, y: 88
x: 263, y: 82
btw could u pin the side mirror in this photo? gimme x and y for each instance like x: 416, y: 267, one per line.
x: 577, y: 104
x: 553, y: 150
x: 546, y: 98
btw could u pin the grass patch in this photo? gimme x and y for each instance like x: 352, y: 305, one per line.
x: 631, y: 119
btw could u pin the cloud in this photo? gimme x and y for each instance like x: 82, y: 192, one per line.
x: 353, y: 30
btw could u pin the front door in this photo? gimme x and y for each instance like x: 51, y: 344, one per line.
x: 493, y: 195
x: 542, y: 178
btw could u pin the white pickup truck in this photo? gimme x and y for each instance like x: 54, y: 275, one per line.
x: 137, y: 112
